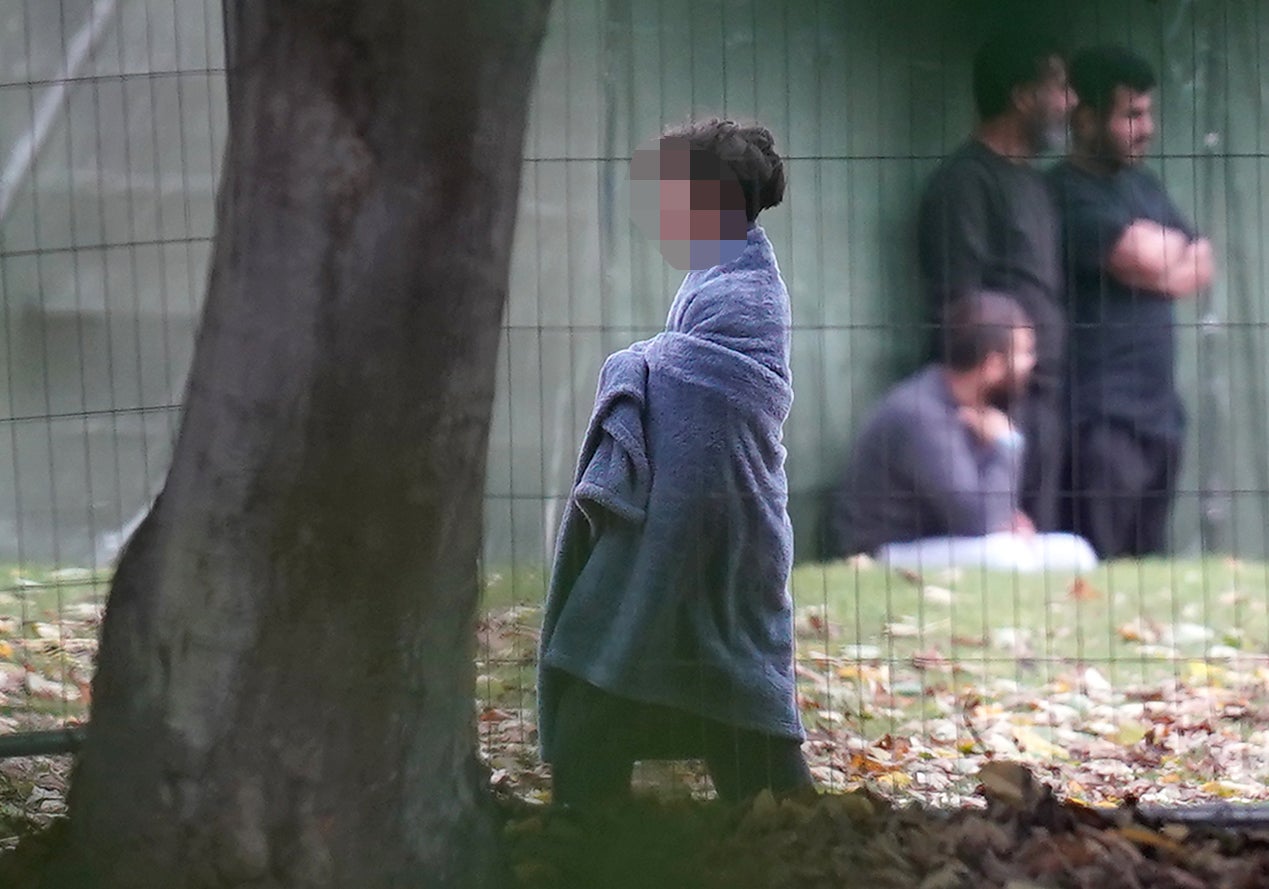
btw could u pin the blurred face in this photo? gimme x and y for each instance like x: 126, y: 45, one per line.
x: 696, y: 223
x: 1047, y: 106
x: 1129, y: 126
x: 1124, y: 135
x: 693, y: 209
x: 1006, y: 375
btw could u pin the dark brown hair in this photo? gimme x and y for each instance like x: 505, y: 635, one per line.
x: 1096, y: 71
x: 978, y: 324
x: 724, y: 149
x: 1008, y: 60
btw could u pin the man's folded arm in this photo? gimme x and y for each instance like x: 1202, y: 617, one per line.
x: 1150, y: 256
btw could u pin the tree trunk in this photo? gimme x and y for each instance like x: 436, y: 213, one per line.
x: 285, y: 688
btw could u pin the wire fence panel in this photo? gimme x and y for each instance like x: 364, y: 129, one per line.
x: 113, y: 118
x: 1141, y: 677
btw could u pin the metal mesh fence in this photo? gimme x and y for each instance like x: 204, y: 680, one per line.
x: 1143, y: 678
x: 113, y: 118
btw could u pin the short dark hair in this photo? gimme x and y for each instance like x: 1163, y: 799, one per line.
x: 978, y: 324
x: 746, y: 151
x: 1096, y: 71
x: 1007, y: 60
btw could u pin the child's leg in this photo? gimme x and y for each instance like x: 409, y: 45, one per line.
x: 594, y: 758
x: 743, y: 762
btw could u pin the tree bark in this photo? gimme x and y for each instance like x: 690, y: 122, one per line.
x: 285, y: 687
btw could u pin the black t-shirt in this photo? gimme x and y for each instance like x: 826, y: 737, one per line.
x: 1122, y: 350
x: 987, y: 222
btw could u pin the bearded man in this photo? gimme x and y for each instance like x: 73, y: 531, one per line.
x: 1129, y: 255
x: 987, y: 222
x: 932, y: 479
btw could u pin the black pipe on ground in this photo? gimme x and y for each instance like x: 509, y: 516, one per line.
x: 56, y: 741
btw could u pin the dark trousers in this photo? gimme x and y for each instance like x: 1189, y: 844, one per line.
x: 1124, y: 485
x: 1041, y: 419
x: 599, y: 736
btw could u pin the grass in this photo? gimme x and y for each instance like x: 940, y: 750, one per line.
x: 1135, y: 622
x: 49, y: 620
x: 1142, y: 678
x: 893, y: 668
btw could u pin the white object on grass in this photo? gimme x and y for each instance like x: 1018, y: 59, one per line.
x: 1004, y: 551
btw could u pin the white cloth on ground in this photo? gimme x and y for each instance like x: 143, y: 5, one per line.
x: 1005, y: 551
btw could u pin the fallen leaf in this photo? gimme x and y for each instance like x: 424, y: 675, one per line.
x: 49, y: 688
x: 930, y: 659
x: 1200, y: 673
x: 1095, y: 684
x: 1131, y: 733
x: 1081, y: 590
x: 1138, y: 630
x: 1035, y: 744
x: 1143, y: 836
x: 937, y: 595
x: 952, y: 875
x: 894, y: 781
x: 1009, y: 783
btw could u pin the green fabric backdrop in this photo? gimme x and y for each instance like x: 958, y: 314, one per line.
x: 104, y: 241
x: 864, y: 98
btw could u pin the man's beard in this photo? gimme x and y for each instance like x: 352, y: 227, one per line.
x: 1136, y: 153
x: 1048, y: 135
x: 1007, y: 394
x: 1117, y: 157
x: 1051, y: 137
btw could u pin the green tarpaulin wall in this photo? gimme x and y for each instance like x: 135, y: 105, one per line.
x: 111, y: 124
x: 864, y: 98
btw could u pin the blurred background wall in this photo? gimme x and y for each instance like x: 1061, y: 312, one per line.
x: 112, y: 120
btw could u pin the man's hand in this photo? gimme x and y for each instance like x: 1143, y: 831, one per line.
x: 990, y: 424
x: 1022, y: 524
x: 1154, y: 257
x: 1204, y: 266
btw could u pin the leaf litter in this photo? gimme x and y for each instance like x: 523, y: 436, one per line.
x: 922, y: 710
x: 1105, y: 700
x: 1020, y: 836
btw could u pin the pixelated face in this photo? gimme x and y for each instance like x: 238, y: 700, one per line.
x: 1128, y: 128
x: 1048, y: 107
x: 690, y: 206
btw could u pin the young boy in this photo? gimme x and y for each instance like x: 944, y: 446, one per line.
x: 668, y: 630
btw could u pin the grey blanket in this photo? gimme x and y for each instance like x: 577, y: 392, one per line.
x: 670, y: 582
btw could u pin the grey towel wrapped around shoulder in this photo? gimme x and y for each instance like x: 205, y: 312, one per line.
x: 670, y: 581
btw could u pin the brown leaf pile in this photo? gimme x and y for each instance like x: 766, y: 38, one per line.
x: 1025, y: 838
x: 922, y: 728
x: 49, y: 626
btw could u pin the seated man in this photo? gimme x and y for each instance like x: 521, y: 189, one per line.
x: 933, y: 476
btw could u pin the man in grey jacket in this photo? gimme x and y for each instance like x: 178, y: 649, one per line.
x: 933, y: 476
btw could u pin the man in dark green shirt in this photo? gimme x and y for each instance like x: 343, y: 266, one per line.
x: 987, y: 222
